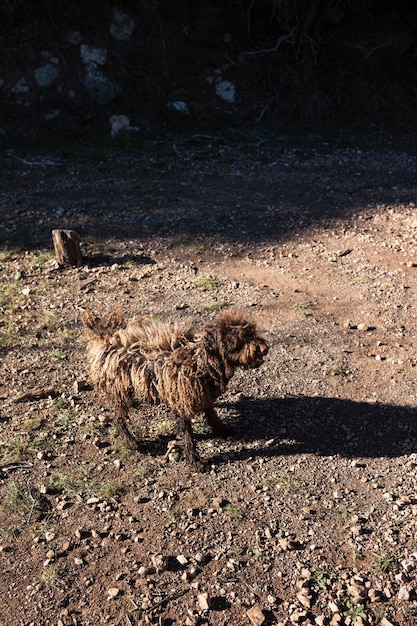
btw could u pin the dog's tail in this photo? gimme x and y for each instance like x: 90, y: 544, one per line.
x: 106, y: 326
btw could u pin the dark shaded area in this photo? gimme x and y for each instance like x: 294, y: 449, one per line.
x: 326, y: 426
x: 196, y: 196
x: 294, y: 62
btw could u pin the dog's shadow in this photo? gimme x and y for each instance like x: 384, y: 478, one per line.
x: 323, y: 426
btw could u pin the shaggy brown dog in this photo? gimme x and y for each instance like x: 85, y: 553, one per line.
x: 148, y: 361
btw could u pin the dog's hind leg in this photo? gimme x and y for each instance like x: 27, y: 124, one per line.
x: 218, y: 428
x: 190, y: 450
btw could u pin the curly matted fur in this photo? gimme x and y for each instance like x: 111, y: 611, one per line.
x: 148, y: 360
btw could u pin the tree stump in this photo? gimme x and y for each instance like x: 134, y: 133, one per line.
x: 67, y: 248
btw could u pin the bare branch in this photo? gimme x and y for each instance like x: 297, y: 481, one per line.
x: 283, y: 39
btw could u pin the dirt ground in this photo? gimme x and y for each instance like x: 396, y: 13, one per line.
x: 307, y: 514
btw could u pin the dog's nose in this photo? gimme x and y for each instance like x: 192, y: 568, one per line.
x: 263, y: 349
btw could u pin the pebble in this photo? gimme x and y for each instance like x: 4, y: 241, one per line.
x: 287, y: 544
x: 182, y: 559
x: 113, y: 592
x: 304, y: 599
x: 403, y: 593
x: 203, y: 601
x: 159, y: 562
x: 255, y: 615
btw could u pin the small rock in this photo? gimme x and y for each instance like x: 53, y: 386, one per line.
x: 112, y: 592
x: 218, y: 502
x: 47, y: 75
x: 375, y: 595
x: 408, y: 565
x: 78, y: 561
x: 287, y: 544
x: 256, y: 615
x: 179, y: 106
x: 79, y: 385
x: 122, y: 26
x: 403, y: 593
x: 333, y: 607
x: 203, y: 601
x: 159, y: 562
x: 226, y: 91
x: 401, y: 577
x: 358, y: 593
x: 366, y: 327
x: 182, y: 559
x: 304, y: 599
x: 90, y: 54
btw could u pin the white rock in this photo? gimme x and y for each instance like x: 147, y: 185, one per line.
x: 182, y: 559
x: 120, y: 124
x: 47, y: 75
x: 403, y: 593
x: 226, y: 91
x: 90, y: 54
x: 159, y: 562
x: 122, y: 26
x: 304, y: 599
x: 179, y: 106
x: 21, y: 87
x: 203, y: 601
x: 333, y: 607
x: 113, y: 592
x: 256, y: 616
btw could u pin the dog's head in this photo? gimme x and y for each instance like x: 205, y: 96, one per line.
x: 237, y: 340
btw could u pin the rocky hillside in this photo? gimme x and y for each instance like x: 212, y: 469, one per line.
x: 132, y: 66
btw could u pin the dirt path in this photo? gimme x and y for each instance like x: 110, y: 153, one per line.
x: 307, y: 515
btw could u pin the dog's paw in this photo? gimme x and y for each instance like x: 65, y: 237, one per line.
x: 197, y: 464
x: 131, y: 444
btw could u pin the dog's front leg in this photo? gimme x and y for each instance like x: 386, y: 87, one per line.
x: 121, y: 419
x: 219, y: 429
x: 190, y: 450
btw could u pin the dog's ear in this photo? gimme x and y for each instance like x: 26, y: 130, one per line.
x: 115, y: 319
x: 88, y: 320
x: 104, y: 327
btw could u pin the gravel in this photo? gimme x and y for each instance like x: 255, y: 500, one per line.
x: 307, y: 514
